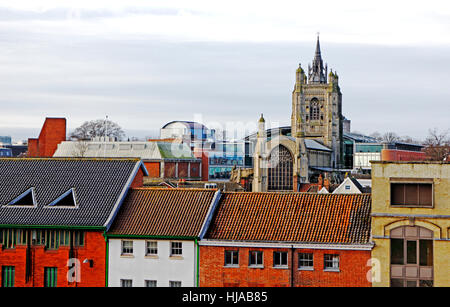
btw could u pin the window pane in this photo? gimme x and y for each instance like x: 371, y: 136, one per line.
x: 397, y: 283
x: 426, y: 252
x: 397, y: 251
x: 411, y: 249
x: 150, y: 283
x: 425, y: 283
x: 305, y: 260
x: 279, y: 259
x: 411, y: 194
x: 411, y: 283
x: 425, y: 195
x: 397, y: 194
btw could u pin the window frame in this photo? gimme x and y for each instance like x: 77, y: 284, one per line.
x: 232, y: 264
x: 172, y: 282
x: 147, y: 248
x: 172, y: 249
x: 417, y: 182
x: 332, y: 261
x: 301, y: 259
x: 122, y: 247
x: 280, y: 264
x: 259, y: 258
x: 52, y: 273
x: 8, y: 276
x: 148, y: 281
x: 123, y: 281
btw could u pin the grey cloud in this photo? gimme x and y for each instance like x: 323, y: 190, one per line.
x: 145, y: 83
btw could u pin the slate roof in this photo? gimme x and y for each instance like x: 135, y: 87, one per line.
x: 99, y: 185
x: 163, y: 212
x: 292, y: 217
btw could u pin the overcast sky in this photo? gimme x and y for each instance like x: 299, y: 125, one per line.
x: 145, y: 63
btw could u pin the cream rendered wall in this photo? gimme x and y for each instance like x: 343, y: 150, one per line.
x: 385, y: 217
x: 162, y: 268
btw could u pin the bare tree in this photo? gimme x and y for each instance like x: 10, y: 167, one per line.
x: 376, y: 135
x: 98, y: 128
x: 437, y: 145
x: 390, y: 137
x: 80, y: 149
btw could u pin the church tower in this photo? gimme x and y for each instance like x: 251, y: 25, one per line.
x: 317, y: 106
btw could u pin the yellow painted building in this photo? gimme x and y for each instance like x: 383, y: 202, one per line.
x: 411, y: 224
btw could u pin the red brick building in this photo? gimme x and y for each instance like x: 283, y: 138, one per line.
x: 52, y: 133
x: 287, y: 239
x: 54, y: 215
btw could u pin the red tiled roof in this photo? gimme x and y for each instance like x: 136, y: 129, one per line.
x: 163, y: 212
x: 292, y: 217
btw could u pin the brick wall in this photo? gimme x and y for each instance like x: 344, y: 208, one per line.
x: 153, y: 169
x: 402, y: 155
x: 138, y: 180
x: 352, y: 272
x: 94, y: 248
x: 52, y: 133
x: 183, y: 169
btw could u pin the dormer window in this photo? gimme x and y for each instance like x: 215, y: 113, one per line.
x: 26, y: 199
x: 66, y: 200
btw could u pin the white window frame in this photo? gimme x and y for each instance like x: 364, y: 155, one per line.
x: 147, y: 253
x: 334, y: 261
x: 122, y: 243
x: 172, y: 249
x: 173, y: 282
x: 148, y: 281
x: 259, y: 254
x: 306, y: 268
x: 123, y: 281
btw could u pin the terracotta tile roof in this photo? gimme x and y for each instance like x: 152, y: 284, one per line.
x: 292, y: 217
x: 163, y: 212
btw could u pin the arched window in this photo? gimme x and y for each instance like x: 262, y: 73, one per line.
x: 280, y: 170
x: 411, y: 257
x: 314, y: 109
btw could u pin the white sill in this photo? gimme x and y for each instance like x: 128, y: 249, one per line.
x: 231, y: 266
x: 280, y: 267
x: 177, y: 257
x: 151, y: 257
x: 306, y: 268
x: 332, y: 270
x: 127, y: 256
x: 256, y: 267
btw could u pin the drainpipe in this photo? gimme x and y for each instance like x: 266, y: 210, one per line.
x: 106, y: 258
x: 292, y: 265
x: 198, y: 263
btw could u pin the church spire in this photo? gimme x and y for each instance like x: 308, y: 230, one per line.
x: 317, y: 73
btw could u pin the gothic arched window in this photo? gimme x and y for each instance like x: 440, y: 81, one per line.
x: 280, y: 170
x: 314, y: 109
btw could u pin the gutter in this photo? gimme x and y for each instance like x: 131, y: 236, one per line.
x: 149, y: 237
x: 66, y: 227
